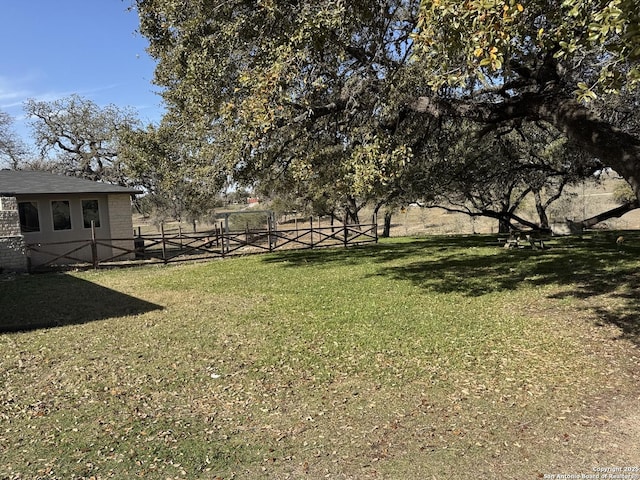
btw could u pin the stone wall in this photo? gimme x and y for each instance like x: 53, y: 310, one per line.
x: 13, y: 253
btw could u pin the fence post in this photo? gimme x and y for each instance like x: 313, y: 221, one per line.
x: 374, y: 221
x: 226, y: 232
x: 269, y: 233
x: 164, y: 244
x: 311, y: 230
x: 345, y: 232
x: 94, y: 245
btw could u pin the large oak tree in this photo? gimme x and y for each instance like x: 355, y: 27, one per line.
x: 82, y: 138
x: 276, y: 86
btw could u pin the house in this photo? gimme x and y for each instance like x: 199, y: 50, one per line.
x: 52, y: 219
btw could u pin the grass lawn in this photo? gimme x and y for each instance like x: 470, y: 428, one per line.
x: 440, y: 357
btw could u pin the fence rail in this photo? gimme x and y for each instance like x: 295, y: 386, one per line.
x: 180, y: 247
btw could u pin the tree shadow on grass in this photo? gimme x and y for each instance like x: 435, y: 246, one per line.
x: 379, y: 252
x: 30, y: 302
x: 590, y: 271
x: 583, y: 267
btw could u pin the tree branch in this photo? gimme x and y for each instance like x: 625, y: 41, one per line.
x: 613, y: 213
x: 615, y: 148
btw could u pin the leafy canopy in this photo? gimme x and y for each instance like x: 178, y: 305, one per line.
x: 326, y: 94
x: 83, y: 137
x: 477, y: 39
x: 280, y: 88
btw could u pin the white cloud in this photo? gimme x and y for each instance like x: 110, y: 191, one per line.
x: 12, y: 93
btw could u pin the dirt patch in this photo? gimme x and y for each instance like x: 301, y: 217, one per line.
x: 599, y: 428
x: 620, y: 442
x: 609, y: 437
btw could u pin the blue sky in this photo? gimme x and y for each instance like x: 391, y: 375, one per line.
x: 54, y: 48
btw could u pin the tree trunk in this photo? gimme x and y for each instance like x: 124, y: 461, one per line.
x: 351, y: 211
x: 386, y: 230
x: 542, y: 211
x: 615, y: 148
x: 504, y: 226
x: 613, y: 213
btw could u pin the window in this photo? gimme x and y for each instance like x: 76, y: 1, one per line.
x: 29, y: 219
x: 61, y: 215
x: 90, y: 213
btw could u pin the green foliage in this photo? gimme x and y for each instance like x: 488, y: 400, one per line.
x: 479, y: 39
x: 178, y: 184
x: 377, y: 164
x: 336, y: 104
x: 291, y: 97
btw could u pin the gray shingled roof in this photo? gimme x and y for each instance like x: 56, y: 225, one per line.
x: 29, y: 183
